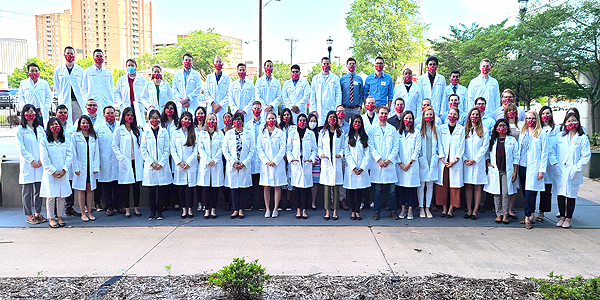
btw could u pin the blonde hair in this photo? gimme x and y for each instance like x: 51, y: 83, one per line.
x: 510, y: 92
x: 206, y: 122
x: 424, y: 124
x: 267, y: 116
x: 469, y: 124
x: 538, y: 126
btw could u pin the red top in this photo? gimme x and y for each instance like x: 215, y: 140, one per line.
x: 131, y: 95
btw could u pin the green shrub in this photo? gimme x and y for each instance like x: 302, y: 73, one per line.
x: 241, y: 280
x: 576, y: 288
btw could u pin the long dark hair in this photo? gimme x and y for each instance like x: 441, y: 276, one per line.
x: 133, y: 125
x: 196, y: 112
x: 551, y: 122
x: 36, y: 121
x: 91, y: 131
x: 402, y: 127
x: 315, y: 130
x: 50, y: 136
x: 495, y: 133
x: 336, y: 126
x: 564, y: 129
x: 164, y: 117
x: 191, y: 131
x: 364, y: 138
x: 151, y: 113
x: 282, y: 124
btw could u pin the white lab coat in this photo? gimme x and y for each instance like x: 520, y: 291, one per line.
x: 511, y: 150
x: 331, y: 167
x: 69, y: 129
x: 109, y: 165
x: 550, y: 144
x: 97, y: 84
x: 429, y: 171
x: 122, y: 97
x: 301, y: 172
x: 295, y: 95
x: 268, y: 92
x: 171, y: 127
x: 81, y: 148
x: 383, y: 145
x: 409, y: 148
x: 325, y: 95
x: 122, y: 143
x: 537, y: 161
x: 210, y: 149
x: 356, y: 157
x: 255, y: 129
x: 572, y: 155
x: 185, y: 154
x: 437, y: 93
x: 156, y: 150
x: 451, y: 147
x: 28, y: 147
x: 216, y: 92
x: 190, y: 88
x: 489, y: 90
x: 64, y: 82
x: 38, y: 94
x: 272, y: 148
x: 151, y: 100
x: 412, y: 98
x: 240, y: 97
x: 462, y: 93
x: 56, y: 156
x: 235, y: 179
x: 476, y: 148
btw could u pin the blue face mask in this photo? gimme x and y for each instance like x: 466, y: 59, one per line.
x: 131, y: 70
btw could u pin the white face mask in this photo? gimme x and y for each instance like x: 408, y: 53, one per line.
x: 312, y: 125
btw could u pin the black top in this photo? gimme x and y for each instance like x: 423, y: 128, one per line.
x: 451, y: 128
x: 331, y: 133
x: 394, y: 121
x: 501, y: 155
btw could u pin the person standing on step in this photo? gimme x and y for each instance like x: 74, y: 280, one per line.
x: 86, y: 164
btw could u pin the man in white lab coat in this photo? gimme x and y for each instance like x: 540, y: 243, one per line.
x: 295, y: 93
x: 241, y: 93
x: 187, y: 86
x: 409, y: 92
x: 485, y: 86
x: 326, y: 92
x: 215, y: 90
x: 67, y: 84
x: 455, y: 88
x: 131, y: 82
x: 36, y: 91
x: 97, y: 82
x: 433, y: 85
x: 268, y: 89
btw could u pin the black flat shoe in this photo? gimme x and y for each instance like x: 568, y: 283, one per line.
x: 352, y: 218
x: 305, y: 217
x: 241, y: 217
x: 443, y: 215
x: 313, y: 208
x: 326, y: 218
x: 298, y: 216
x: 449, y: 216
x: 137, y: 214
x: 206, y: 216
x: 183, y: 216
x: 190, y: 215
x: 334, y: 218
x: 213, y: 216
x: 358, y: 218
x: 233, y: 216
x: 127, y: 216
x: 466, y: 216
x: 514, y: 217
x: 474, y: 217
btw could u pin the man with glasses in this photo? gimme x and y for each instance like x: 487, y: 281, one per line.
x: 508, y: 97
x: 352, y: 90
x: 295, y: 93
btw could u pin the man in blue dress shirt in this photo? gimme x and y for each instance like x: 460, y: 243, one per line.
x: 379, y: 85
x: 352, y: 90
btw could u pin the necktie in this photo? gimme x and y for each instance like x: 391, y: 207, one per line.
x: 351, y: 88
x: 454, y: 89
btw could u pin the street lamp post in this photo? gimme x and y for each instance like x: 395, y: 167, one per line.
x: 260, y: 9
x: 522, y: 8
x: 329, y: 43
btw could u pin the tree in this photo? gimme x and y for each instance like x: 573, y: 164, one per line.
x: 281, y: 71
x: 116, y: 73
x: 145, y: 61
x: 387, y: 28
x: 86, y: 62
x: 203, y: 46
x: 316, y: 69
x: 46, y: 72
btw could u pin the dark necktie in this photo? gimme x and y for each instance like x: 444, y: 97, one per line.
x: 454, y: 89
x: 351, y: 88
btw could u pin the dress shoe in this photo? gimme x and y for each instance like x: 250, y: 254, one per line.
x: 376, y: 216
x: 109, y: 212
x: 121, y: 210
x: 127, y: 216
x: 159, y: 216
x: 394, y: 215
x: 70, y: 212
x: 343, y: 205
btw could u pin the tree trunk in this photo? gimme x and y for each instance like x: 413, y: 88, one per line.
x: 591, y: 122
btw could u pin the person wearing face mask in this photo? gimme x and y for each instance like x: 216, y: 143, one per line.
x: 91, y: 110
x: 396, y: 119
x: 128, y: 91
x: 326, y: 92
x: 295, y: 93
x: 301, y: 151
x: 215, y: 90
x: 512, y: 119
x: 508, y: 98
x: 369, y: 117
x: 408, y: 91
x: 157, y: 92
x: 268, y: 89
x: 487, y: 121
x: 454, y: 101
x: 187, y: 85
x: 457, y: 89
x: 62, y: 113
x: 287, y: 125
x: 199, y: 123
x: 428, y: 162
x: 210, y: 165
x: 253, y: 125
x: 379, y: 85
x: 86, y: 165
x: 109, y: 165
x: 340, y: 111
x: 424, y: 105
x: 484, y: 86
x: 227, y: 126
x: 241, y: 93
x: 313, y: 122
x: 331, y: 151
x: 36, y: 91
x: 407, y: 168
x: 476, y: 144
x: 451, y: 153
x: 433, y: 85
x: 271, y: 146
x: 97, y: 82
x: 67, y: 84
x: 356, y: 175
x: 184, y: 150
x: 352, y: 90
x: 551, y: 130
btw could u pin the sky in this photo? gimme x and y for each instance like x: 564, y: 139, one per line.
x: 311, y: 22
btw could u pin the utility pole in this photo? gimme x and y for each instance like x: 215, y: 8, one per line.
x: 291, y: 40
x: 260, y: 8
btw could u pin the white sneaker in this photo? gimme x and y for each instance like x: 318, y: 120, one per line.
x: 422, y: 213
x: 402, y: 214
x: 372, y: 204
x: 268, y: 214
x: 566, y: 224
x: 429, y: 214
x: 410, y: 215
x: 275, y: 214
x: 560, y: 223
x: 362, y: 205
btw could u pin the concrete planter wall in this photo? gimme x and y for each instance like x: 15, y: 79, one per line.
x: 592, y: 170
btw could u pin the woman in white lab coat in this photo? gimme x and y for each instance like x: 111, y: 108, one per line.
x: 271, y: 145
x: 199, y: 123
x: 169, y: 119
x: 122, y: 89
x: 407, y: 168
x: 210, y: 166
x: 572, y: 154
x: 511, y: 115
x: 502, y: 162
x: 301, y: 153
x: 29, y: 135
x: 86, y: 164
x: 552, y: 131
x: 287, y: 125
x: 184, y: 150
x: 476, y: 145
x: 533, y: 160
x: 332, y: 143
x: 108, y: 177
x: 238, y: 150
x: 126, y: 146
x: 227, y: 125
x: 157, y: 91
x: 56, y: 159
x: 356, y: 177
x: 156, y: 148
x: 451, y: 152
x: 428, y: 161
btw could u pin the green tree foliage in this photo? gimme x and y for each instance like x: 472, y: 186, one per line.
x: 46, y: 72
x: 116, y: 73
x: 203, y: 45
x: 281, y: 71
x: 145, y: 61
x: 86, y: 62
x: 316, y: 69
x: 387, y: 28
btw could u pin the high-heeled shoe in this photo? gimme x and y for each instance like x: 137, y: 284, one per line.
x: 234, y: 215
x: 206, y: 216
x: 213, y: 216
x: 241, y: 216
x: 352, y: 218
x: 298, y: 216
x: 304, y: 217
x: 184, y: 216
x: 358, y: 218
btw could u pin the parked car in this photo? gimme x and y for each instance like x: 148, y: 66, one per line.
x: 6, y: 99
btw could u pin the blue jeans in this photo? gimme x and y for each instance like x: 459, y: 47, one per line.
x: 389, y: 189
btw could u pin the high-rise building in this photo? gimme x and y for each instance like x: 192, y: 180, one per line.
x: 13, y: 54
x: 121, y: 28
